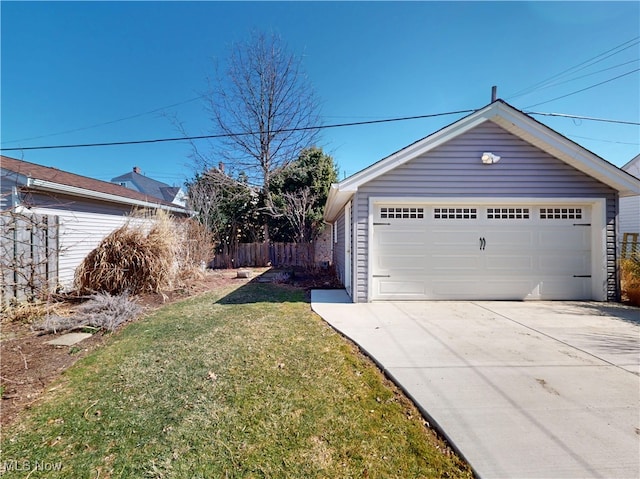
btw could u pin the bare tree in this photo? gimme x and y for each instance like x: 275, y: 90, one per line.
x: 297, y: 208
x: 265, y: 107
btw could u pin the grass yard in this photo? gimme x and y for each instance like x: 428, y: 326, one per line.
x: 244, y: 382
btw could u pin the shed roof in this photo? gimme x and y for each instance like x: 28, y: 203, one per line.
x: 513, y: 121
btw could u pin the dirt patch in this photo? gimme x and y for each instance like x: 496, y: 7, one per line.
x: 28, y: 366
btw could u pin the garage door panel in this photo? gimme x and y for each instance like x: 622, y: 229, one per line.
x: 563, y: 264
x: 565, y: 238
x: 453, y: 237
x: 407, y: 287
x: 511, y: 239
x: 515, y: 264
x: 401, y: 237
x: 447, y: 264
x: 565, y: 287
x: 402, y: 263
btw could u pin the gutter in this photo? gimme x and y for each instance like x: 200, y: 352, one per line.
x: 45, y: 185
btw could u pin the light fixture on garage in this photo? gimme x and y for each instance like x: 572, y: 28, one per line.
x: 489, y: 158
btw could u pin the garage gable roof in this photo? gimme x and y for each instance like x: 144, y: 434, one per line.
x: 513, y: 121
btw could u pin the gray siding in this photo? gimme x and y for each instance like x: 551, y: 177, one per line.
x: 338, y: 247
x: 455, y: 170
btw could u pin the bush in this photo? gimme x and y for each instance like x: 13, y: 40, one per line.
x: 131, y: 260
x: 630, y: 280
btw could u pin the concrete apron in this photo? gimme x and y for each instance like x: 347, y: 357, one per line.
x: 521, y: 389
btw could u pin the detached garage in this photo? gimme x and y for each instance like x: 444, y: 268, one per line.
x: 494, y: 206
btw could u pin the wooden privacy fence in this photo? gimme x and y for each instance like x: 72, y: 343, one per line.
x: 29, y: 252
x: 279, y: 255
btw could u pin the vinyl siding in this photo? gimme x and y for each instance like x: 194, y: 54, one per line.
x: 83, y: 224
x: 629, y: 215
x: 455, y: 170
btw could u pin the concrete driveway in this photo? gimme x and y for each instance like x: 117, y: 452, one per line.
x: 521, y: 389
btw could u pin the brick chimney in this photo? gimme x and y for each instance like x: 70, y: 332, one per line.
x: 136, y: 169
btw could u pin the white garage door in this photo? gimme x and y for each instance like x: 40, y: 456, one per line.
x: 481, y: 252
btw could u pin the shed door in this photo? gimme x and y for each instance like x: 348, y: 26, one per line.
x: 481, y: 252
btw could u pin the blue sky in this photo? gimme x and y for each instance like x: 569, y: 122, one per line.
x: 67, y: 67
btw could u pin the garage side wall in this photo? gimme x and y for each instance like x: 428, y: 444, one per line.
x: 455, y: 170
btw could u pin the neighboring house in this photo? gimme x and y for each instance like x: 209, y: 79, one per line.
x: 87, y: 209
x: 135, y: 180
x: 495, y: 206
x: 630, y: 207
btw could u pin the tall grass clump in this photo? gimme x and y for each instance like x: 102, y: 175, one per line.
x: 139, y: 257
x: 630, y: 279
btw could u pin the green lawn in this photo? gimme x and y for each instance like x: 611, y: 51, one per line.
x: 246, y: 382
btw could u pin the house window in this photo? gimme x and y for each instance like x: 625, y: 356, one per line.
x: 560, y: 213
x: 390, y: 212
x: 508, y: 213
x: 455, y: 213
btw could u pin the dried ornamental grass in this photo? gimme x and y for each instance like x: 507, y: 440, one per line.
x: 630, y: 280
x: 102, y: 311
x: 131, y: 260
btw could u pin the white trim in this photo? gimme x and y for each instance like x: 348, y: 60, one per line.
x: 45, y: 185
x: 348, y: 252
x: 598, y: 229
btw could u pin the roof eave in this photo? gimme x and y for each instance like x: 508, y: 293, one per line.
x: 336, y: 200
x: 51, y: 186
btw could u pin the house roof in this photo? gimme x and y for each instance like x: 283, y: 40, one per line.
x: 149, y: 186
x: 513, y: 121
x: 38, y: 177
x: 633, y: 162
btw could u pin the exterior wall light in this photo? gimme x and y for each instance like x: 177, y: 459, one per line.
x: 489, y: 158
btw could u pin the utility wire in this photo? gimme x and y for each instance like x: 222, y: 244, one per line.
x: 137, y: 115
x: 578, y: 117
x: 227, y: 135
x: 536, y: 86
x: 587, y: 74
x: 583, y: 89
x: 336, y: 125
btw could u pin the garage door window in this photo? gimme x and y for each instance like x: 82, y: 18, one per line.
x: 508, y: 213
x: 390, y: 212
x: 455, y: 213
x: 560, y: 213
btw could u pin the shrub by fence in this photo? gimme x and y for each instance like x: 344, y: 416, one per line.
x: 29, y: 252
x: 279, y: 255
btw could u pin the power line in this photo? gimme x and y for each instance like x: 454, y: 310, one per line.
x: 578, y: 117
x: 584, y: 89
x: 137, y: 115
x: 604, y: 141
x: 228, y: 135
x: 336, y: 125
x: 539, y: 85
x: 587, y: 75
